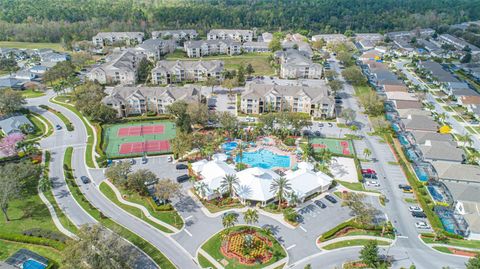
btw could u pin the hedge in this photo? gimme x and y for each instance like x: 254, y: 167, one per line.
x: 139, y: 119
x: 33, y: 240
x: 350, y: 223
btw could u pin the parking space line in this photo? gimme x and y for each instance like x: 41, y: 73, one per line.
x: 292, y: 246
x: 303, y: 229
x: 189, y: 217
x: 188, y: 232
x: 402, y: 236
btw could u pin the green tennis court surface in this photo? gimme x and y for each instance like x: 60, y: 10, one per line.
x: 337, y: 146
x: 138, y: 138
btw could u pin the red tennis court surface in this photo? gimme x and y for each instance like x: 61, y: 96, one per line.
x: 141, y: 130
x: 322, y: 146
x: 149, y: 146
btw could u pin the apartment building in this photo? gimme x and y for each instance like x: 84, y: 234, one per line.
x: 168, y: 72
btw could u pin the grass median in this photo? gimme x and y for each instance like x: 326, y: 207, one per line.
x: 352, y: 243
x: 145, y: 246
x: 40, y: 129
x: 110, y: 194
x: 62, y: 117
x: 204, y: 263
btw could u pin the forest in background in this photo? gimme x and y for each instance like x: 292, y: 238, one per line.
x: 69, y: 20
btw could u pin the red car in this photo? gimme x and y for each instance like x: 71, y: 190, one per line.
x: 369, y: 172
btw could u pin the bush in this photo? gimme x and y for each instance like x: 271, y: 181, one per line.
x: 240, y: 166
x: 289, y: 141
x: 165, y: 207
x: 33, y: 240
x: 290, y: 214
x: 37, y: 232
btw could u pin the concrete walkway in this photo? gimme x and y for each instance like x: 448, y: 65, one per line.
x: 353, y: 237
x: 55, y: 219
x: 144, y: 210
x: 210, y: 258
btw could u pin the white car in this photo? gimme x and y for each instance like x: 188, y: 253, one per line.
x: 422, y: 225
x: 415, y: 209
x: 373, y: 183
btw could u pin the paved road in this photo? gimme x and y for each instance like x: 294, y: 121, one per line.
x: 164, y: 243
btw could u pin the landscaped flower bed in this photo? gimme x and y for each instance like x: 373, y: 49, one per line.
x: 247, y: 247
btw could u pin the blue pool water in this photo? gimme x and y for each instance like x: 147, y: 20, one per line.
x: 229, y: 146
x: 33, y: 264
x: 395, y: 127
x: 435, y: 194
x: 421, y: 173
x: 412, y: 155
x: 264, y: 159
x: 448, y: 224
x: 403, y: 140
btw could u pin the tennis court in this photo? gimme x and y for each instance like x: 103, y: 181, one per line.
x: 138, y: 138
x: 337, y: 146
x: 141, y: 130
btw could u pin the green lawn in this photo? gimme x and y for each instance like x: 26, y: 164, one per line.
x: 31, y: 45
x: 361, y: 90
x: 89, y: 148
x: 40, y: 129
x: 30, y: 93
x: 454, y: 242
x: 356, y: 186
x: 410, y: 200
x: 148, y: 248
x: 62, y: 117
x: 354, y: 242
x: 259, y: 61
x: 204, y: 263
x: 107, y: 191
x: 212, y: 247
x: 7, y: 248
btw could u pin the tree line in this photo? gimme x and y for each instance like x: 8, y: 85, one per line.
x: 67, y: 20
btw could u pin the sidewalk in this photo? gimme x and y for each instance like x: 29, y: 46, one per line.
x: 353, y: 237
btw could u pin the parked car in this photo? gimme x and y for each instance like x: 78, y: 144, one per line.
x: 85, y: 179
x: 370, y: 176
x: 415, y: 209
x: 368, y: 171
x: 181, y: 166
x: 320, y: 204
x: 422, y: 225
x: 58, y: 127
x: 132, y: 161
x: 407, y: 189
x: 373, y: 183
x: 182, y: 178
x: 402, y: 186
x: 320, y: 125
x: 331, y: 199
x: 330, y: 124
x: 419, y: 215
x: 144, y: 160
x: 317, y: 133
x: 230, y: 107
x: 307, y: 133
x: 169, y: 159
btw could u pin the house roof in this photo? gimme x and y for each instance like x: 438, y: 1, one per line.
x: 441, y: 150
x: 211, y: 66
x: 401, y: 104
x: 196, y: 44
x: 420, y: 123
x: 12, y: 124
x: 231, y: 31
x: 470, y: 100
x: 316, y: 94
x: 11, y: 83
x: 119, y: 94
x: 395, y: 88
x: 152, y: 45
x: 304, y: 180
x: 398, y: 95
x: 421, y: 137
x: 255, y: 183
x: 404, y: 113
x: 457, y: 172
x: 438, y: 72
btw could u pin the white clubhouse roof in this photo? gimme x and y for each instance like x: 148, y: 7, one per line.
x: 255, y: 184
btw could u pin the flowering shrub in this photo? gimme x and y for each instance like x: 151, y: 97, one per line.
x: 247, y: 247
x: 8, y: 144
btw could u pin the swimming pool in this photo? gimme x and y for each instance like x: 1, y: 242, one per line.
x: 33, y: 264
x: 229, y: 146
x: 421, y: 173
x: 264, y: 159
x: 435, y: 194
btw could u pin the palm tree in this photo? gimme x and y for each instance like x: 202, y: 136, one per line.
x: 307, y: 151
x: 293, y: 198
x: 201, y: 188
x: 229, y: 184
x: 324, y: 156
x: 44, y: 183
x: 442, y: 117
x: 281, y: 186
x: 229, y: 220
x: 466, y: 139
x: 367, y: 152
x: 250, y: 216
x: 429, y: 106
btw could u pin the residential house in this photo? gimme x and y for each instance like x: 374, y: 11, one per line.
x: 372, y: 55
x: 405, y: 113
x: 373, y: 37
x: 256, y: 46
x: 301, y: 46
x: 394, y: 88
x: 168, y: 72
x: 13, y: 83
x: 129, y: 101
x: 233, y: 34
x: 437, y: 73
x: 466, y: 203
x: 458, y: 43
x: 433, y: 151
x: 54, y: 57
x: 13, y: 123
x: 422, y: 137
x: 154, y: 49
x: 401, y: 104
x: 419, y: 123
x: 121, y: 68
x: 109, y: 38
x: 472, y: 103
x: 185, y: 34
x: 294, y: 64
x: 398, y: 95
x: 200, y: 48
x: 261, y: 98
x: 330, y: 38
x: 296, y: 38
x: 266, y: 37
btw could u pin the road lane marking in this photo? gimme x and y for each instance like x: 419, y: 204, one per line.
x: 402, y: 236
x: 188, y: 232
x: 303, y: 229
x: 189, y: 217
x: 292, y: 246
